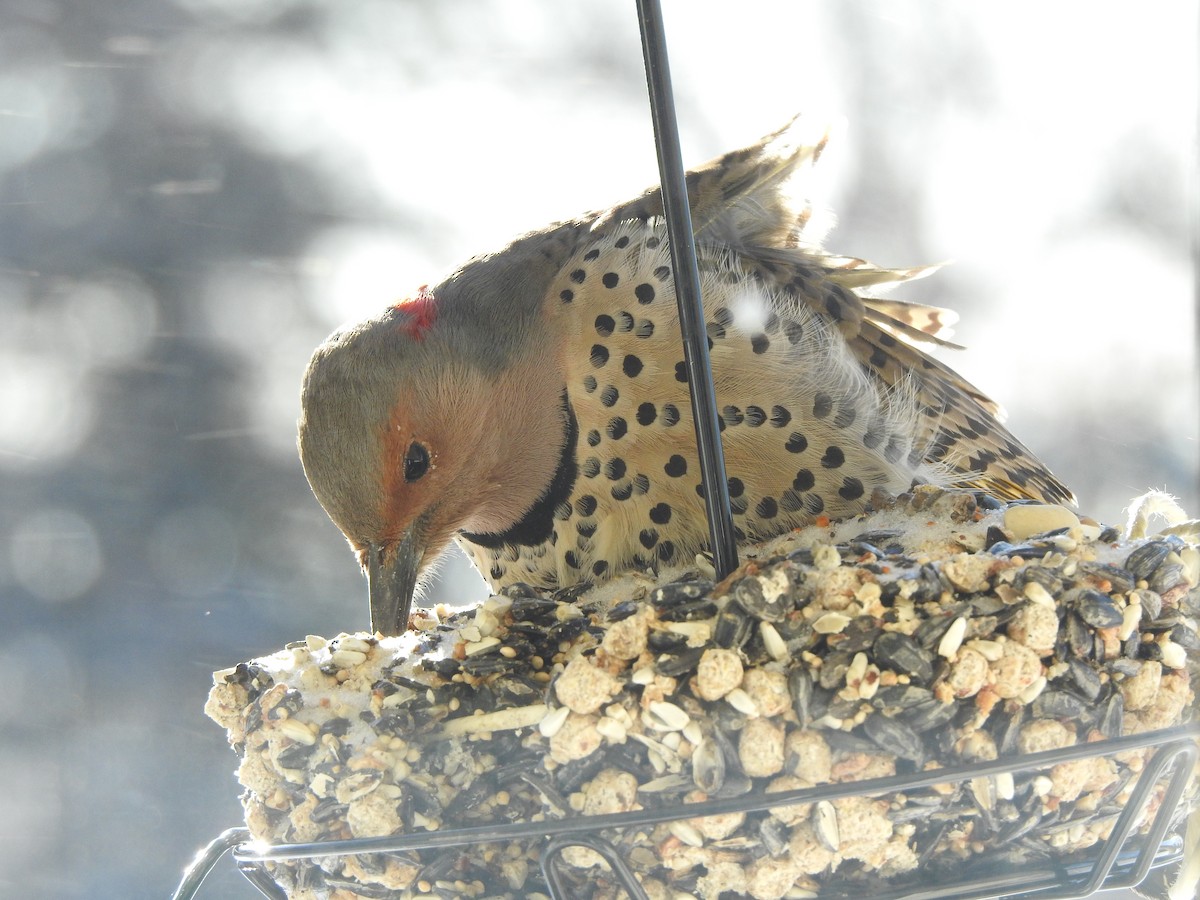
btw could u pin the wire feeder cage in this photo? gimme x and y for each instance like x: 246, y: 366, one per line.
x: 1122, y: 860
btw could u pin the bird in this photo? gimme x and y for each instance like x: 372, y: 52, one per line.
x: 533, y: 406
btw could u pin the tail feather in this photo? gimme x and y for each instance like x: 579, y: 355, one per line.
x: 962, y: 425
x: 738, y: 198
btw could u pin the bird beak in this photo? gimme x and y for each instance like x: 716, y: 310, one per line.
x: 392, y: 578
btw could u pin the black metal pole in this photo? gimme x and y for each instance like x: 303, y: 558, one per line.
x: 687, y: 288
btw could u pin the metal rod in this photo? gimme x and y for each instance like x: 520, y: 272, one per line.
x: 194, y: 874
x: 552, y: 853
x: 687, y: 288
x: 1184, y: 757
x: 478, y: 834
x: 1176, y: 746
x: 256, y: 873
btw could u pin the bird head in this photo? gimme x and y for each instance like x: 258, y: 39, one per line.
x: 441, y: 414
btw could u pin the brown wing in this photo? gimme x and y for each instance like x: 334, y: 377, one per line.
x: 963, y: 424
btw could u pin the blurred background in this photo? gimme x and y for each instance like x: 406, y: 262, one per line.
x: 194, y: 193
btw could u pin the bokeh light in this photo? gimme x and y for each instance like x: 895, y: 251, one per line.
x: 44, y: 411
x: 54, y: 341
x: 354, y: 272
x: 55, y: 555
x: 110, y: 317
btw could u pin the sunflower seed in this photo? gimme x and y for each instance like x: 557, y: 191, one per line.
x: 825, y: 824
x: 1145, y: 559
x: 901, y: 653
x: 774, y: 644
x: 1097, y: 610
x: 953, y: 638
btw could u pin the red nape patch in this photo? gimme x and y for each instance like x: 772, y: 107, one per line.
x: 421, y: 312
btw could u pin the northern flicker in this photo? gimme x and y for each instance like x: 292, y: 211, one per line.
x: 533, y: 406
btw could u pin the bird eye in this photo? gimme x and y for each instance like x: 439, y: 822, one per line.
x: 416, y: 461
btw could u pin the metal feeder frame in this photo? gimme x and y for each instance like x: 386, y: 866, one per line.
x: 1120, y: 861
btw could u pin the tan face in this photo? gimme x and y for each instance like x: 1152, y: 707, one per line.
x: 403, y: 457
x: 413, y: 487
x: 392, y: 487
x: 465, y: 452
